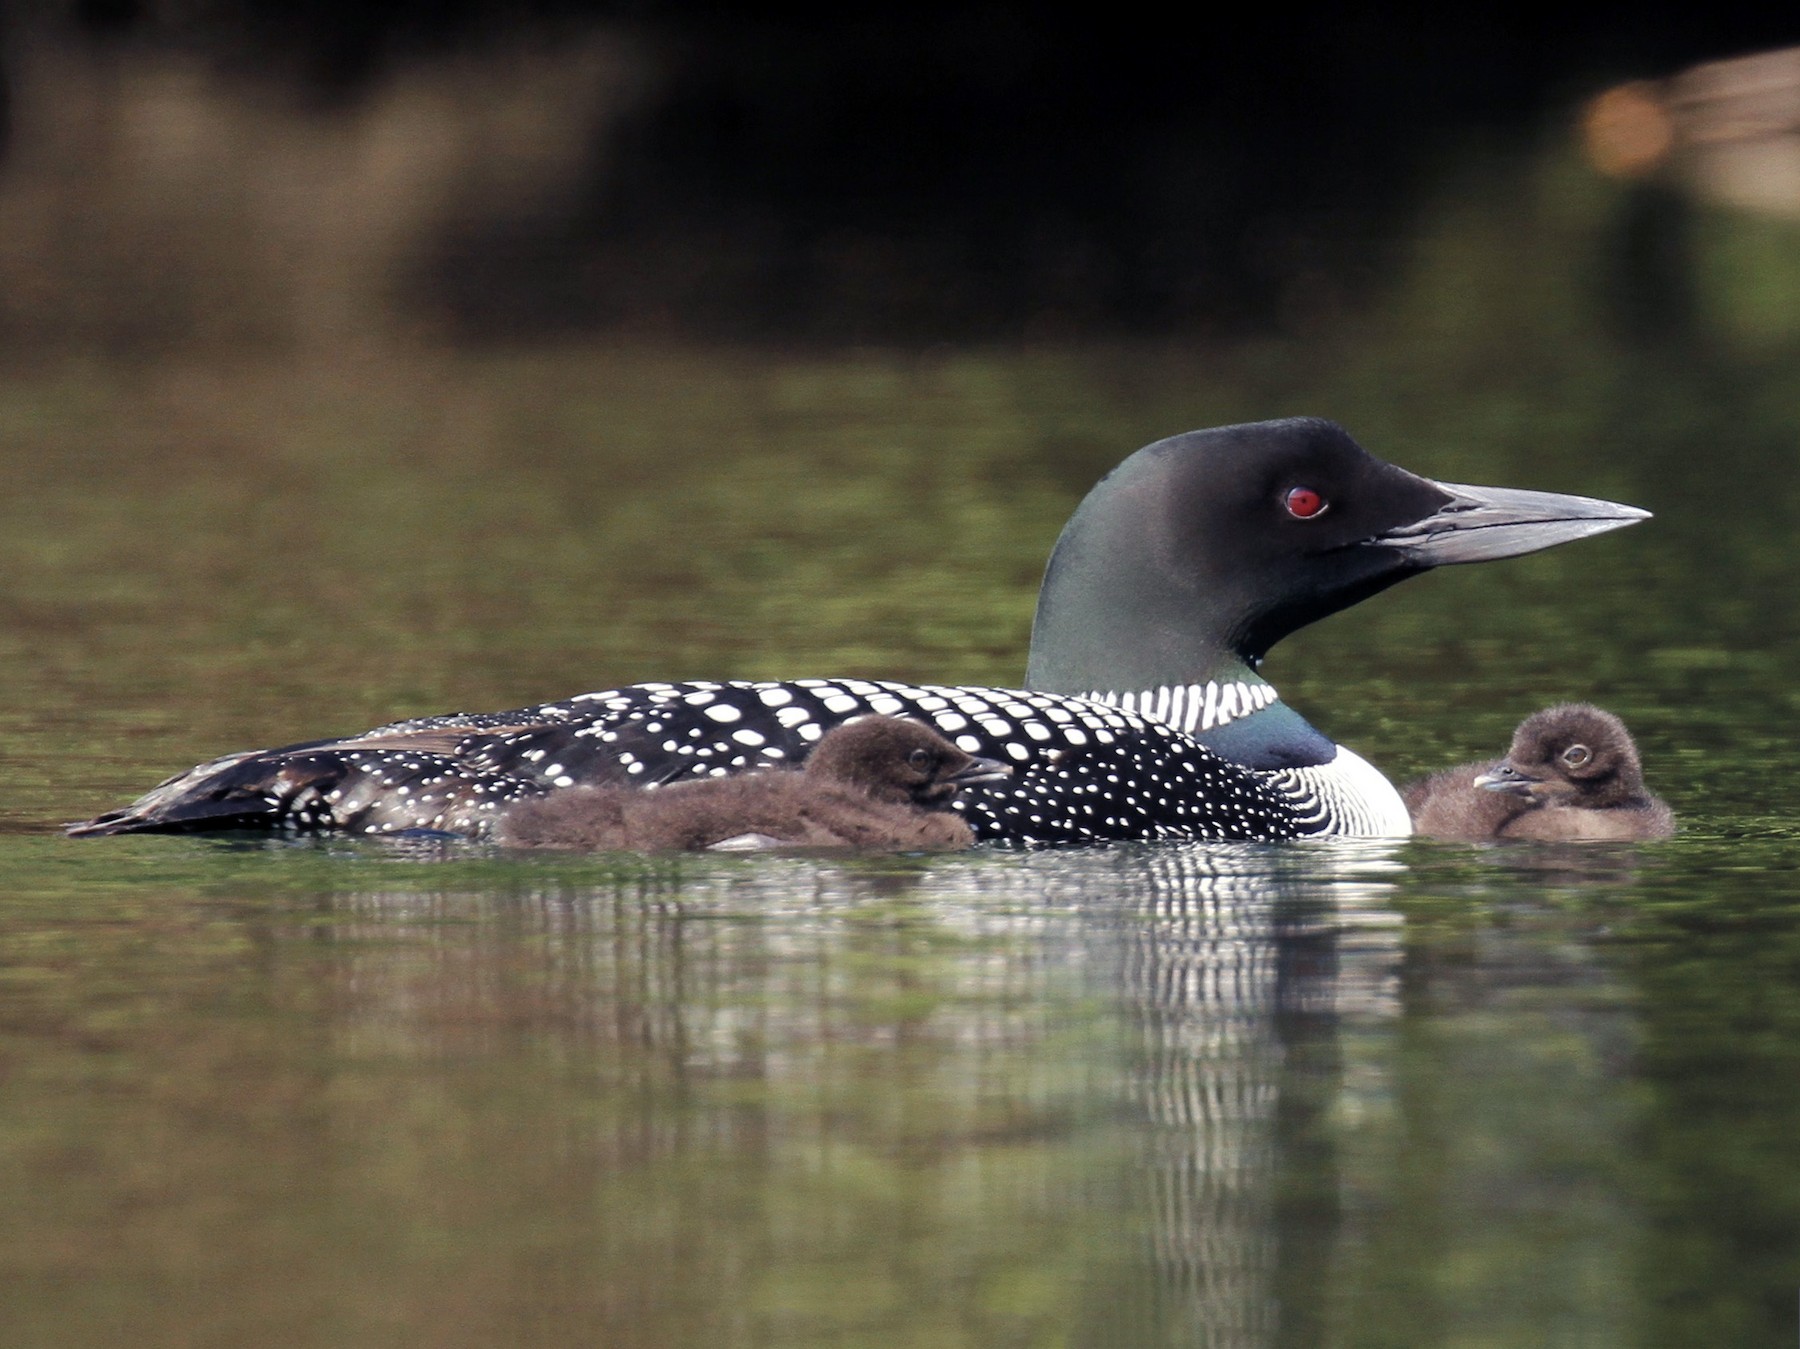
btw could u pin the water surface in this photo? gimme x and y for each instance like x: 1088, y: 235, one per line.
x: 1355, y: 1094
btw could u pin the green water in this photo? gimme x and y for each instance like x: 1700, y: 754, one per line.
x: 1364, y: 1094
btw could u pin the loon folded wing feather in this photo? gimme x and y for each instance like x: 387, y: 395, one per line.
x: 208, y: 796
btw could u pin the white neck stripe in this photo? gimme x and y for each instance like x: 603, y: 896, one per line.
x: 1195, y: 707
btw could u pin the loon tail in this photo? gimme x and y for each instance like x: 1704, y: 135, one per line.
x: 238, y: 791
x: 447, y: 773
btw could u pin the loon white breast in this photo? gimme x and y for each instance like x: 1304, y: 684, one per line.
x: 1143, y: 715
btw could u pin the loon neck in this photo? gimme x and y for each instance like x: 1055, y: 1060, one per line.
x: 1241, y: 718
x: 1195, y: 708
x: 1115, y: 614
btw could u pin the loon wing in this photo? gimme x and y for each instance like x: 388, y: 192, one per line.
x: 1084, y: 771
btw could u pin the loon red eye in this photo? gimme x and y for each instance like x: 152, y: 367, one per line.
x: 1303, y: 502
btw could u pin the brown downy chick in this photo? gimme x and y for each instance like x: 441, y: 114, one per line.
x: 1572, y: 773
x: 872, y: 783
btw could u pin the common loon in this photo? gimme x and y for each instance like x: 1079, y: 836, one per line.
x: 1572, y: 773
x: 1144, y: 716
x: 870, y: 783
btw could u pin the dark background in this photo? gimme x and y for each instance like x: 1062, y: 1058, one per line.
x: 947, y: 171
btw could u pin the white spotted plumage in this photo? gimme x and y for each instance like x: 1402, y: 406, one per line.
x: 1086, y: 770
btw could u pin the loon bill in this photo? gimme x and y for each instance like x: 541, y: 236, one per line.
x: 1143, y: 716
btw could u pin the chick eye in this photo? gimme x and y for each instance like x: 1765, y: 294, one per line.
x: 1303, y: 503
x: 920, y: 759
x: 1577, y: 755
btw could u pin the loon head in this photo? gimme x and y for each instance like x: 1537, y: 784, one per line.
x: 1200, y: 552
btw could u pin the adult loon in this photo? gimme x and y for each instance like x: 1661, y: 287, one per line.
x: 1144, y: 715
x: 870, y: 783
x: 1572, y: 773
